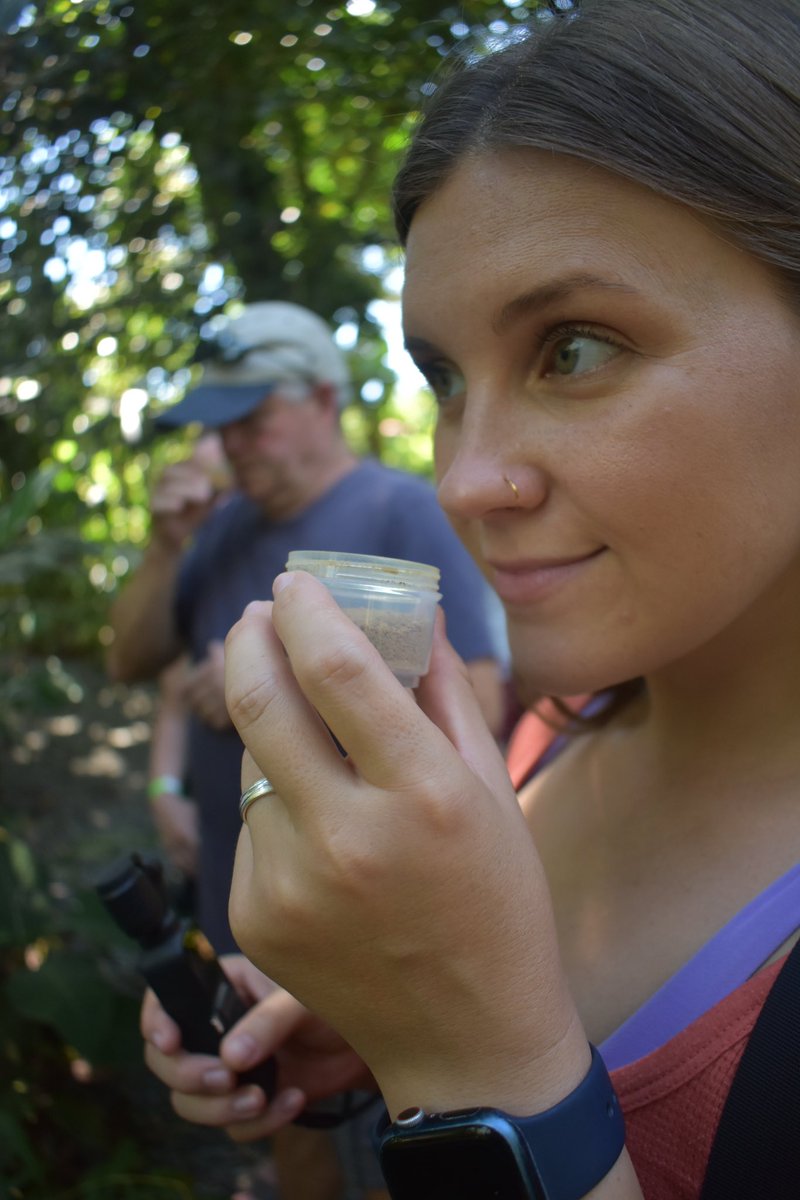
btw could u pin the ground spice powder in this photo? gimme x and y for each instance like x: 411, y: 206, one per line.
x: 400, y: 638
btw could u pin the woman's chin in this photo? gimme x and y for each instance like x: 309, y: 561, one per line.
x: 563, y: 681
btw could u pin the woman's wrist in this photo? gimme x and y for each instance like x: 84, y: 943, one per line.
x: 529, y: 1084
x: 566, y: 1151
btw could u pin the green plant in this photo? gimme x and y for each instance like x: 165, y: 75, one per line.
x: 39, y: 569
x: 68, y: 1127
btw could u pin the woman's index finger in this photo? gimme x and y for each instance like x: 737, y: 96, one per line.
x: 282, y: 733
x: 375, y: 719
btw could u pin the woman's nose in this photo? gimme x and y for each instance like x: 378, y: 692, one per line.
x: 474, y: 484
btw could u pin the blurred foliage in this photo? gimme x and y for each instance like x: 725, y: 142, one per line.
x: 67, y: 1128
x: 158, y: 164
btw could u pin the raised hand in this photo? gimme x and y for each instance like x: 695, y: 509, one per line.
x: 397, y: 891
x: 179, y: 503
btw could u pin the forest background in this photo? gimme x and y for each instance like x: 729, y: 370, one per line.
x: 160, y: 163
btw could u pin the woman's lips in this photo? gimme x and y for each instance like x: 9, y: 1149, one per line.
x: 526, y: 582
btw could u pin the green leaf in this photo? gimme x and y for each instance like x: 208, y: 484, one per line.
x: 68, y: 994
x: 17, y: 1152
x: 22, y: 863
x: 23, y: 504
x: 22, y: 907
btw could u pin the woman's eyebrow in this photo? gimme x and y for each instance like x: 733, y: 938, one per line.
x: 553, y: 292
x: 418, y: 346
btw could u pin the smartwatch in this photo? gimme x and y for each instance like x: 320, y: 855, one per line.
x: 486, y: 1154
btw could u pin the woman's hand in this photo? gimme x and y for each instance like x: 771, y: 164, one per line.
x: 396, y: 891
x: 314, y: 1063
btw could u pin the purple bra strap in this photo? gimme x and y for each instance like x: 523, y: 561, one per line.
x: 722, y: 965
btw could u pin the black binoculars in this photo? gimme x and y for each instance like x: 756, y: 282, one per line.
x: 176, y: 960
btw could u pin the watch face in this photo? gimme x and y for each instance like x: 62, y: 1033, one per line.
x: 468, y: 1162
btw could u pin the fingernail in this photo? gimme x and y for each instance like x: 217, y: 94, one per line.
x: 217, y: 1077
x: 248, y: 1102
x: 254, y: 608
x: 241, y: 1050
x: 160, y: 1040
x: 282, y: 582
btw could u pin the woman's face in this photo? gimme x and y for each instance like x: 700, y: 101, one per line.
x: 637, y: 378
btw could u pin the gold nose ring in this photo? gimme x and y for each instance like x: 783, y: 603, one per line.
x: 513, y: 487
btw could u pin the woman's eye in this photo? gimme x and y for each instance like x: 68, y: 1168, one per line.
x: 444, y: 380
x: 578, y: 353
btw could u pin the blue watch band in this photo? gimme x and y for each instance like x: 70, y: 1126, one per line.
x: 576, y: 1143
x: 561, y: 1154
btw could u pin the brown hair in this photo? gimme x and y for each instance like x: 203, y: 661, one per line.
x: 696, y: 99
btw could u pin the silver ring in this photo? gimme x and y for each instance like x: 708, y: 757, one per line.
x: 261, y: 787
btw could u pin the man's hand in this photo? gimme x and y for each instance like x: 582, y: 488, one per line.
x: 180, y: 501
x: 204, y: 690
x: 142, y: 616
x: 176, y: 821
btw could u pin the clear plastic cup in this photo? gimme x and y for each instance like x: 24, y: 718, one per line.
x: 391, y: 600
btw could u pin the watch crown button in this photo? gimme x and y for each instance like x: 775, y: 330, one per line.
x: 409, y: 1117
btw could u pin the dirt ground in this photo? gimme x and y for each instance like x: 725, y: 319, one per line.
x: 72, y: 784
